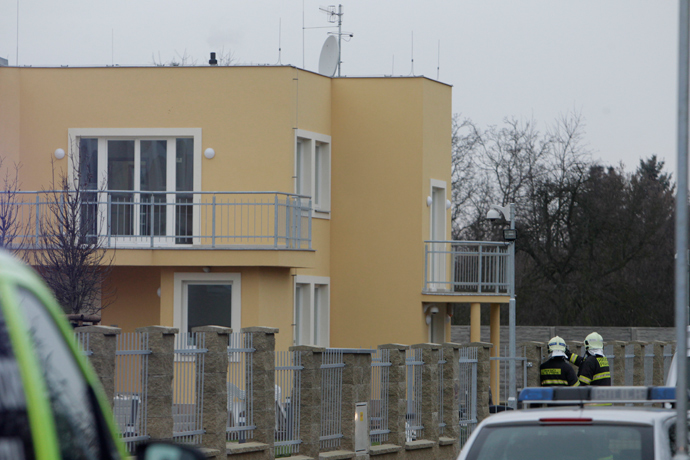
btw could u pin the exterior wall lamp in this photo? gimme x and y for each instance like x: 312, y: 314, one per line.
x: 209, y: 153
x: 59, y: 154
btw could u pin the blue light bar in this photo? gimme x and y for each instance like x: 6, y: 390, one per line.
x: 596, y: 393
x: 536, y: 394
x: 666, y: 393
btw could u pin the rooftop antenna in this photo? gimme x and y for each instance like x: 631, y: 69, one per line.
x: 334, y: 17
x: 393, y: 66
x: 280, y: 33
x: 412, y: 54
x: 328, y: 61
x: 303, y: 28
x: 438, y: 65
x: 17, y: 33
x: 112, y: 47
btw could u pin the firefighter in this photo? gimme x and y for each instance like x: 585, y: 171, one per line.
x: 593, y: 366
x: 556, y: 371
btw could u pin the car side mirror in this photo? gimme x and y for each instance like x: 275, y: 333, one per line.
x: 160, y: 450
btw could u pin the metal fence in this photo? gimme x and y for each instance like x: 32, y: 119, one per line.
x: 414, y: 429
x: 126, y: 218
x: 466, y: 267
x: 83, y: 339
x: 504, y: 361
x: 467, y: 385
x: 331, y: 398
x: 131, y: 387
x: 378, y: 405
x: 240, y: 425
x: 188, y: 387
x: 288, y: 389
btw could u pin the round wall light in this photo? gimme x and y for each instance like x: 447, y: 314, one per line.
x: 209, y: 153
x: 59, y: 154
x: 429, y: 201
x: 448, y: 204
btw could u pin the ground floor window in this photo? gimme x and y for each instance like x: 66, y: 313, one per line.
x: 203, y: 299
x: 312, y: 311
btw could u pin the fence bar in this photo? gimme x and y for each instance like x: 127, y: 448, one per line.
x: 288, y: 372
x: 188, y: 387
x: 331, y: 398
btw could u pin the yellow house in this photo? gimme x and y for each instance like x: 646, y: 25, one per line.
x: 262, y: 195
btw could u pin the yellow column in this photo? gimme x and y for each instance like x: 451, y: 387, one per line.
x: 475, y: 322
x: 495, y: 337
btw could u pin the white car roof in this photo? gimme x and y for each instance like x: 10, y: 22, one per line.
x: 644, y: 415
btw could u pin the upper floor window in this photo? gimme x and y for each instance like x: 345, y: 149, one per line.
x: 313, y: 169
x: 145, y: 173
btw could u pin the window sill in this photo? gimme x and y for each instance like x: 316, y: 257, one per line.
x: 321, y: 214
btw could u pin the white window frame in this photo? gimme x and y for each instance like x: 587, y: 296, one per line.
x: 181, y: 279
x: 438, y: 262
x: 309, y: 141
x: 137, y: 134
x: 312, y: 282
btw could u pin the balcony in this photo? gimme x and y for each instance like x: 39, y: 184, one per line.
x: 466, y: 268
x: 168, y: 220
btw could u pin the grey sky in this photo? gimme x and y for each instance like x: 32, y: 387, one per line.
x: 614, y: 61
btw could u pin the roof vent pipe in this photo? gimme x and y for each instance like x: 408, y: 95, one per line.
x: 213, y: 60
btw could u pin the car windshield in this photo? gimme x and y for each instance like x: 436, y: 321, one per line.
x: 564, y: 442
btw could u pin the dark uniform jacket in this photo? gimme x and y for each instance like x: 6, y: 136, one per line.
x: 593, y: 370
x: 556, y: 371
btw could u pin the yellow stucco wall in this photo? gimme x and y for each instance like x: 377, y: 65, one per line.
x: 390, y: 136
x: 383, y: 154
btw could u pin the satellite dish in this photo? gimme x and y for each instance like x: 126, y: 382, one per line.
x: 328, y: 61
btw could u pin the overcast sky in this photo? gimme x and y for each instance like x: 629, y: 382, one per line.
x: 615, y: 62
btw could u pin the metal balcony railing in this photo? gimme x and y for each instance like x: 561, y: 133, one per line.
x: 164, y: 220
x: 466, y: 267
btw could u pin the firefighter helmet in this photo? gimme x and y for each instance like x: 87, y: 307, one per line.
x: 556, y: 344
x: 594, y: 340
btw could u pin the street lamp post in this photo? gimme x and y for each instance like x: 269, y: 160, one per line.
x: 509, y: 214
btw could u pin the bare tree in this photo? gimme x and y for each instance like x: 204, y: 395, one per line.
x: 13, y: 227
x: 73, y: 259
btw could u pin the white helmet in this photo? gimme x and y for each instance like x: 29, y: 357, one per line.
x: 594, y: 340
x: 556, y: 344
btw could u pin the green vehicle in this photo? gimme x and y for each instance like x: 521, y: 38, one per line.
x: 52, y: 405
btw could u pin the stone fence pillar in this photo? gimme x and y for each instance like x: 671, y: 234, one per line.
x: 310, y: 399
x: 102, y: 345
x: 638, y: 362
x: 356, y: 389
x: 533, y: 353
x: 618, y: 370
x: 159, y: 417
x: 451, y: 399
x: 397, y: 393
x: 658, y: 377
x: 264, y: 342
x: 215, y: 389
x: 483, y: 377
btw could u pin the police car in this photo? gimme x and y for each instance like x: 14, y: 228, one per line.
x: 582, y: 423
x: 51, y: 402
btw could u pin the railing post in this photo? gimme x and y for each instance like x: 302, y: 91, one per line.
x: 658, y: 376
x: 310, y: 400
x: 275, y: 221
x: 483, y: 378
x: 213, y: 221
x: 102, y: 344
x: 215, y: 389
x: 479, y: 270
x: 108, y: 218
x: 309, y: 218
x: 38, y: 218
x: 159, y: 417
x: 356, y: 389
x: 451, y: 400
x: 152, y: 220
x: 426, y: 266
